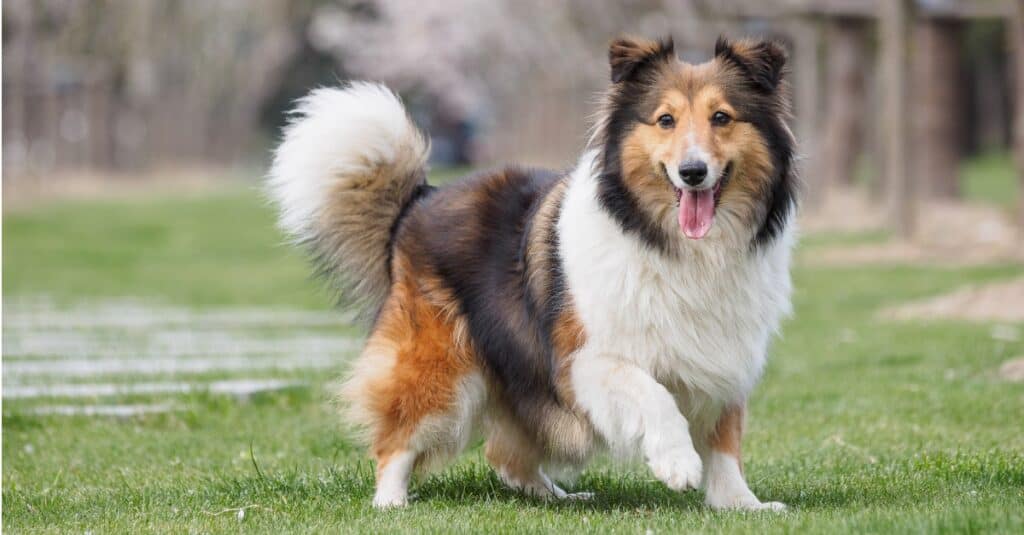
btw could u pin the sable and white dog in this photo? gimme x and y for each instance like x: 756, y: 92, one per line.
x: 628, y: 303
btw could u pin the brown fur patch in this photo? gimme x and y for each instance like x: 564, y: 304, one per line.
x: 538, y: 247
x: 567, y: 335
x: 575, y: 438
x: 383, y: 458
x: 751, y: 179
x: 728, y: 432
x: 412, y: 365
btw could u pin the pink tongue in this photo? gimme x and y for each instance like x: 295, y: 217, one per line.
x: 696, y: 212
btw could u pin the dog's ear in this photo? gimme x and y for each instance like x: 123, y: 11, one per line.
x: 628, y: 56
x: 762, y: 62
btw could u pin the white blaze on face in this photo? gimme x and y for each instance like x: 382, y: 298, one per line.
x: 673, y: 175
x: 696, y: 203
x: 693, y: 151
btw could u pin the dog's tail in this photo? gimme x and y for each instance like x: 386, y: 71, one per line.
x: 350, y: 161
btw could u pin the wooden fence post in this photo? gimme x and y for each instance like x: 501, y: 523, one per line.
x: 1017, y: 35
x: 846, y: 96
x: 934, y: 110
x: 894, y: 18
x: 807, y: 84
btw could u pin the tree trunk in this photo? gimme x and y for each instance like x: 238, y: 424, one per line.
x: 807, y: 83
x: 934, y: 109
x: 1017, y: 35
x: 894, y: 16
x: 989, y: 78
x: 845, y: 87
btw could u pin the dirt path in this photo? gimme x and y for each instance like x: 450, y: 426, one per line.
x: 948, y: 233
x: 1000, y: 302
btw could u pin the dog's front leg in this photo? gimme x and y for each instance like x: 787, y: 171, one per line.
x: 724, y: 484
x: 628, y: 407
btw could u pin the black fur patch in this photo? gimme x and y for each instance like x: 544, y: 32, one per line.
x: 624, y: 207
x: 761, y: 62
x: 761, y: 98
x: 625, y: 101
x: 474, y: 234
x: 420, y: 192
x: 627, y: 57
x: 782, y: 198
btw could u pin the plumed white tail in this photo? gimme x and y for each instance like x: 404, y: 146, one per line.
x: 350, y: 160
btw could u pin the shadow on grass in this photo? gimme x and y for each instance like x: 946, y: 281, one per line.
x: 464, y: 484
x: 331, y: 492
x: 923, y: 478
x: 474, y: 483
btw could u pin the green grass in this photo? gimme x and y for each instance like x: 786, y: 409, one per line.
x: 991, y: 178
x: 859, y: 425
x: 221, y: 249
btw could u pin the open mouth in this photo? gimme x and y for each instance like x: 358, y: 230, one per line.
x: 697, y: 207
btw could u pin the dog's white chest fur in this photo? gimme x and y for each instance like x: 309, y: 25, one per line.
x: 701, y: 321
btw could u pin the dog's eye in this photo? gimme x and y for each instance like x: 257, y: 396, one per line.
x: 666, y: 121
x: 720, y: 118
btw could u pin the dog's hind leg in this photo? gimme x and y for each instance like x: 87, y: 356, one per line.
x: 418, y: 419
x: 517, y: 458
x: 410, y: 440
x: 415, y: 389
x: 393, y: 474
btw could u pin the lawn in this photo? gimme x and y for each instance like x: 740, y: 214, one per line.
x: 859, y: 424
x: 991, y: 178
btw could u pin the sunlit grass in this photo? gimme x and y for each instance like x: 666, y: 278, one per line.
x: 991, y: 178
x: 860, y: 425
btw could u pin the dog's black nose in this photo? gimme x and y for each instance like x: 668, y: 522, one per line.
x: 693, y: 172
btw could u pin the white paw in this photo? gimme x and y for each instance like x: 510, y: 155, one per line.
x: 745, y: 504
x: 390, y: 501
x: 581, y: 496
x: 679, y: 468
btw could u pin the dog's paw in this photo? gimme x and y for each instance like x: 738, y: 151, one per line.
x: 770, y: 506
x: 744, y: 503
x: 390, y: 501
x: 679, y: 468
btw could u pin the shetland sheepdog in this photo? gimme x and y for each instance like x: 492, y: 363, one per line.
x: 626, y: 305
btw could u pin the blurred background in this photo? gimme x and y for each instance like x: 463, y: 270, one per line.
x: 156, y: 324
x: 895, y: 95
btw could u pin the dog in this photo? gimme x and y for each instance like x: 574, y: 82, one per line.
x: 626, y: 305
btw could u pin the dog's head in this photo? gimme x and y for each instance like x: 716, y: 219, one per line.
x: 694, y: 151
